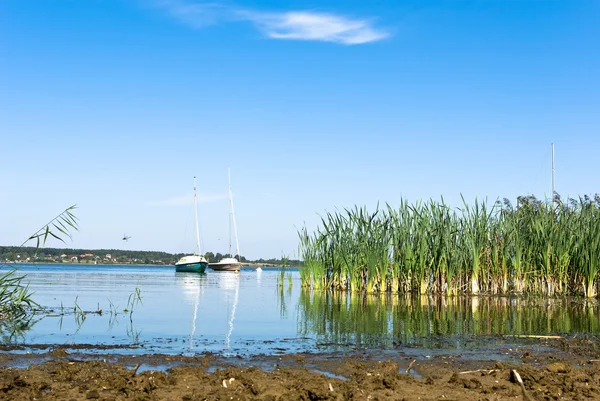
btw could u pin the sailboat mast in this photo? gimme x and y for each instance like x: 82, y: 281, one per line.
x: 196, y: 219
x: 552, y: 178
x: 237, y: 245
x: 230, y: 211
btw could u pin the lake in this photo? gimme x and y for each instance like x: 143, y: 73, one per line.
x: 252, y: 312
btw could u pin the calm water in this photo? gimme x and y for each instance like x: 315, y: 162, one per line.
x: 249, y: 312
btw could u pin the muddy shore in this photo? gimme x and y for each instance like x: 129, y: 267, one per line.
x: 550, y: 369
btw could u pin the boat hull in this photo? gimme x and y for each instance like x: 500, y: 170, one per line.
x: 191, y: 267
x: 191, y: 263
x: 225, y: 267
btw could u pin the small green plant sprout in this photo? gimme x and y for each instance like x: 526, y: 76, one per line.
x: 134, y: 299
x: 289, y: 279
x: 113, y: 310
x: 281, y: 276
x: 79, y: 313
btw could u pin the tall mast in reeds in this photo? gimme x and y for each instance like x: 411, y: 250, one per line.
x: 552, y: 177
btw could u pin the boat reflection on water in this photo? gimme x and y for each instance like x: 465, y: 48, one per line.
x: 228, y: 280
x: 193, y: 286
x: 258, y: 276
x: 213, y: 297
x: 385, y: 320
x: 231, y: 282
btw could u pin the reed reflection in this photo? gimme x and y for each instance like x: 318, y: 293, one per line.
x: 284, y: 292
x: 387, y: 320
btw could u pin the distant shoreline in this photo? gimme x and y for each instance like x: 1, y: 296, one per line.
x: 254, y: 265
x: 24, y: 254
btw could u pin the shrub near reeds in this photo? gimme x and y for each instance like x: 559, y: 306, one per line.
x: 534, y: 247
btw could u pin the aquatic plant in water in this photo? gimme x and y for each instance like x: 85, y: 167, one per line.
x: 535, y: 247
x: 16, y: 303
x: 134, y: 298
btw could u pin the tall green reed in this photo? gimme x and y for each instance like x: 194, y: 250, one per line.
x: 534, y: 247
x: 16, y: 301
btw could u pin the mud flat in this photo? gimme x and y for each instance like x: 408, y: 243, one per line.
x: 549, y: 368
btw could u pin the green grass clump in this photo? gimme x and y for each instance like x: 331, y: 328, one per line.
x: 16, y: 303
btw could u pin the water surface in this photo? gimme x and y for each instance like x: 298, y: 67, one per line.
x: 255, y: 312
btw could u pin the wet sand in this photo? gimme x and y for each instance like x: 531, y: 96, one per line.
x: 557, y: 369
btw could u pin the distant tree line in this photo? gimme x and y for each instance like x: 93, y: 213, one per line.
x: 14, y: 253
x: 48, y: 255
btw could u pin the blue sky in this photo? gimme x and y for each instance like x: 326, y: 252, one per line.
x: 114, y: 105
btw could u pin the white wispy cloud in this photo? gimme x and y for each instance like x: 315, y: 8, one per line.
x: 304, y: 25
x: 292, y: 25
x: 186, y: 200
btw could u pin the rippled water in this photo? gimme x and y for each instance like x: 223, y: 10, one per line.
x: 250, y: 312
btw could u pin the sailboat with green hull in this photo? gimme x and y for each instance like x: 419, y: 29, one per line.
x: 191, y: 264
x: 195, y: 263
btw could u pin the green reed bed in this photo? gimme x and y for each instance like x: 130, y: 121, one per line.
x: 533, y: 247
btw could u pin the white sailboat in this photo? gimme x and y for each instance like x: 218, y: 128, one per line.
x: 193, y: 263
x: 229, y: 263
